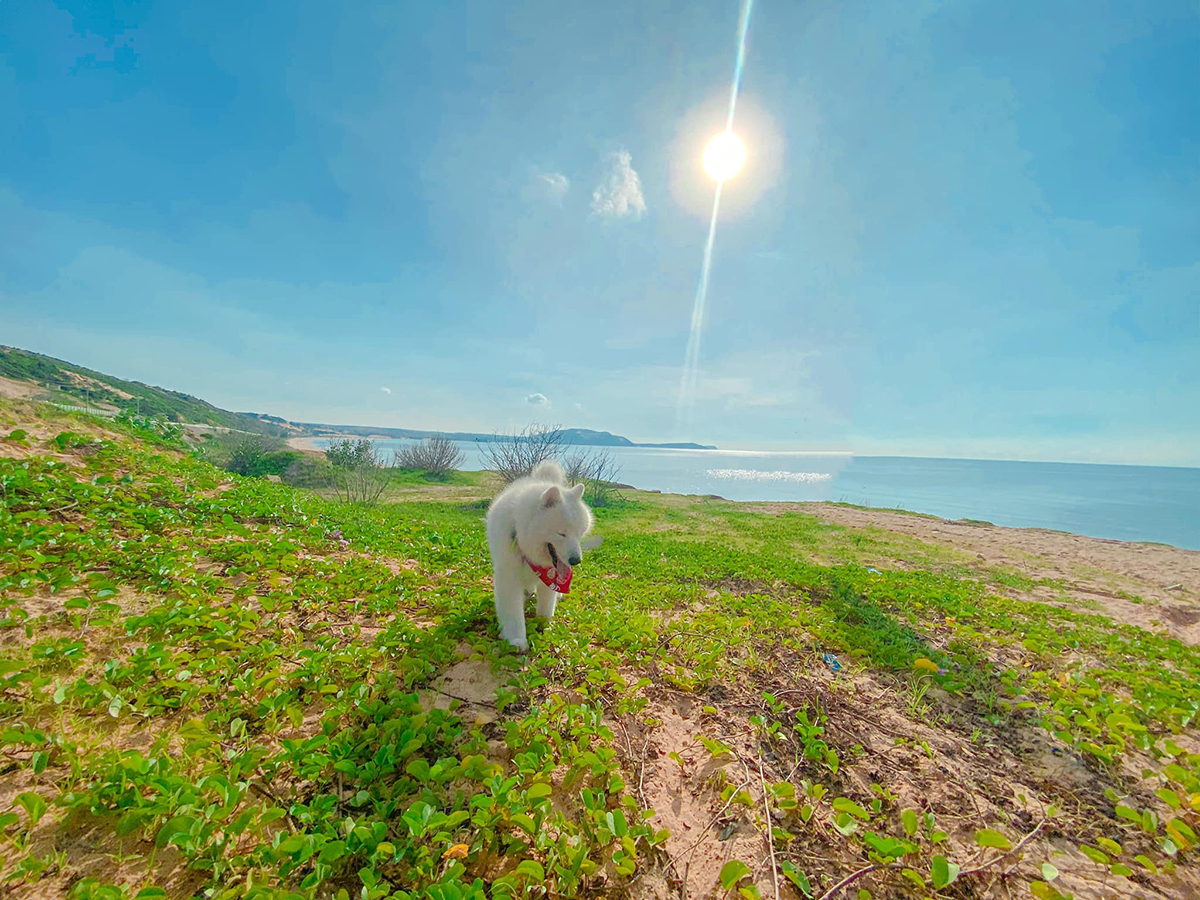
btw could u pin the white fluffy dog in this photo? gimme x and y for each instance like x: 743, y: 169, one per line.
x: 534, y: 529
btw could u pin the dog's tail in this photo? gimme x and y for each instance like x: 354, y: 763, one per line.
x: 548, y: 470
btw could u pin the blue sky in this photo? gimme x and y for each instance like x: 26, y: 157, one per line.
x: 964, y: 229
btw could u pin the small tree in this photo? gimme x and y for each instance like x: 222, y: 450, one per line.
x: 513, y: 456
x: 360, y: 474
x: 349, y: 453
x: 437, y: 456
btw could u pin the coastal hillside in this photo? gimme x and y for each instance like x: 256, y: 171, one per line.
x: 569, y: 436
x: 227, y: 687
x: 27, y: 374
x: 42, y: 377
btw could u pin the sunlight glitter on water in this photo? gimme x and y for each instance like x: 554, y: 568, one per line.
x: 755, y: 475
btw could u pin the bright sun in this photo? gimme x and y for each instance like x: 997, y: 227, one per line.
x: 724, y: 156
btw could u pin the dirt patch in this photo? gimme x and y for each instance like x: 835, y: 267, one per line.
x: 471, y: 683
x: 19, y: 390
x: 682, y: 781
x: 941, y: 757
x: 85, y: 846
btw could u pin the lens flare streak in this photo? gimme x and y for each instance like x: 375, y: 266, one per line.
x: 691, y: 362
x: 691, y: 359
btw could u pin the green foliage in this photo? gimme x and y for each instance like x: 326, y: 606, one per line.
x: 273, y: 653
x: 350, y: 453
x: 159, y: 431
x: 252, y: 455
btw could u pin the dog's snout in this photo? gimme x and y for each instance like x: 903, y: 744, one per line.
x: 574, y: 559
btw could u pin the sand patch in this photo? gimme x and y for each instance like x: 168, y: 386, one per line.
x: 470, y: 683
x: 19, y: 390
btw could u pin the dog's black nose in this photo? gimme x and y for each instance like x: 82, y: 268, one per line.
x: 574, y: 560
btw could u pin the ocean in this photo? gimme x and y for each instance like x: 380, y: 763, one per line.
x: 1129, y: 503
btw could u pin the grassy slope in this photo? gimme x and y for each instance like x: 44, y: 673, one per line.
x: 203, y: 687
x: 97, y: 388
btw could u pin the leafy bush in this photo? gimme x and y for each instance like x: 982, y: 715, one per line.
x: 248, y: 454
x: 437, y: 456
x: 360, y: 474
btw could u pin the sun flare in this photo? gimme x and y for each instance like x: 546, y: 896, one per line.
x: 724, y: 156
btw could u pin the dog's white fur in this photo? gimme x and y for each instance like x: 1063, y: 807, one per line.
x: 530, y: 513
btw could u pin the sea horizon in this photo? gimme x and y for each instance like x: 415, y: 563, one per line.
x: 1113, y: 501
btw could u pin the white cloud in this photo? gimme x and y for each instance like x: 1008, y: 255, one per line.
x: 386, y: 390
x: 553, y: 185
x: 619, y: 195
x: 537, y: 400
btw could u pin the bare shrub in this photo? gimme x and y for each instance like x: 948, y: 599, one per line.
x: 598, y: 470
x: 360, y: 474
x: 513, y: 456
x: 438, y: 456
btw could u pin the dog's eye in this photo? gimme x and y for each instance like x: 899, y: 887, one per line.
x: 561, y: 535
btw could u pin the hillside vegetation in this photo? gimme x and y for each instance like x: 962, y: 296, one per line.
x: 220, y: 686
x: 68, y: 384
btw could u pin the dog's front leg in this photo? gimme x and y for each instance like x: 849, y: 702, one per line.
x: 547, y: 600
x: 510, y: 613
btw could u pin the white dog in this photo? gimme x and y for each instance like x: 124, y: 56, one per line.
x: 534, y: 529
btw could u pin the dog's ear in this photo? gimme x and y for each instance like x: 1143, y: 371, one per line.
x: 576, y: 492
x: 552, y: 496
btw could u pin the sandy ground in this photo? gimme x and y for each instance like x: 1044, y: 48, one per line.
x: 18, y: 390
x: 1153, y: 586
x: 305, y: 444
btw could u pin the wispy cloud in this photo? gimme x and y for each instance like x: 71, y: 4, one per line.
x: 386, y: 390
x: 619, y: 195
x: 537, y: 400
x: 552, y: 186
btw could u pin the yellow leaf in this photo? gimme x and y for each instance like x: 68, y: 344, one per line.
x: 927, y: 664
x: 950, y: 620
x: 458, y: 851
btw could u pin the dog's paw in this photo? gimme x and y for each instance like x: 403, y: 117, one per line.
x: 522, y: 645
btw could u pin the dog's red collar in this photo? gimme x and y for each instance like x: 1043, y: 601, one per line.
x: 551, y: 577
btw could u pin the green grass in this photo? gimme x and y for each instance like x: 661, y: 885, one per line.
x: 204, y: 672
